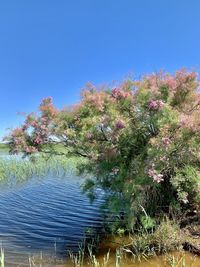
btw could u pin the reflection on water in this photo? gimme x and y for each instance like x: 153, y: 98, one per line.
x: 49, y: 215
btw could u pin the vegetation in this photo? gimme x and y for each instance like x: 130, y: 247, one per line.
x: 2, y: 258
x: 140, y: 143
x: 4, y: 147
x: 141, y: 140
x: 14, y: 170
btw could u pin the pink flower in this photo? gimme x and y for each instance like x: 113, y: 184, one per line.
x: 30, y: 149
x: 155, y: 104
x: 43, y: 127
x: 89, y: 136
x: 171, y: 82
x: 156, y: 177
x: 120, y: 124
x: 163, y: 158
x: 184, y: 197
x: 27, y: 149
x: 184, y: 119
x: 38, y: 140
x: 115, y: 171
x: 119, y: 93
x: 153, y: 80
x: 166, y: 141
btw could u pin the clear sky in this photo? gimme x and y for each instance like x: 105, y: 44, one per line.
x: 53, y: 47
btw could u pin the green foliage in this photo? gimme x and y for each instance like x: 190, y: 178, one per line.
x: 187, y: 183
x: 141, y: 141
x: 147, y: 222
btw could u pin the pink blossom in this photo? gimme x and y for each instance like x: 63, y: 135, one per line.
x: 166, y: 141
x: 184, y: 197
x: 184, y: 119
x: 89, y: 136
x: 153, y: 80
x: 156, y: 177
x: 24, y: 127
x: 171, y: 82
x: 43, y: 127
x: 183, y: 76
x: 17, y: 142
x: 163, y: 158
x: 30, y: 149
x: 119, y: 93
x: 115, y: 171
x: 155, y: 104
x: 38, y: 140
x: 27, y: 149
x: 120, y: 124
x: 34, y: 123
x: 17, y: 132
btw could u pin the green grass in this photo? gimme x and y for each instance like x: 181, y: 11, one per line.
x: 16, y: 169
x: 4, y: 147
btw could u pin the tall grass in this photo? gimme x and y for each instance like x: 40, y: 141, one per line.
x: 164, y: 239
x: 81, y: 259
x: 2, y: 258
x: 179, y: 261
x: 17, y: 169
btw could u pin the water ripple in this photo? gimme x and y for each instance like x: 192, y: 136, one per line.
x: 42, y: 213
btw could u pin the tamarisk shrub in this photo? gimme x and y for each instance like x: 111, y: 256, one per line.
x: 141, y: 140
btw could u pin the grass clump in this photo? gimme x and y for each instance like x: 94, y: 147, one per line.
x: 165, y: 238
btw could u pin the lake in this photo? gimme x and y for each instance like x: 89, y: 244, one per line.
x: 48, y: 215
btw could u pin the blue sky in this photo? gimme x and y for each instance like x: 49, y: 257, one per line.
x: 54, y: 47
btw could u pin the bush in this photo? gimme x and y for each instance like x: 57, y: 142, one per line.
x: 141, y: 140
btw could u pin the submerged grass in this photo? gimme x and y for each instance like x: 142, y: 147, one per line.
x: 168, y: 260
x: 179, y: 261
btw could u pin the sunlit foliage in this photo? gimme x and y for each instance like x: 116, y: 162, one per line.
x: 141, y: 139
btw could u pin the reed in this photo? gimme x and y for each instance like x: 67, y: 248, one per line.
x: 2, y: 258
x: 82, y: 259
x: 15, y: 169
x: 180, y: 261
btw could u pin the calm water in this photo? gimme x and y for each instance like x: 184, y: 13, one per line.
x: 49, y: 215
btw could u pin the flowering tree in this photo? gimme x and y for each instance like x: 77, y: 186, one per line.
x: 141, y: 140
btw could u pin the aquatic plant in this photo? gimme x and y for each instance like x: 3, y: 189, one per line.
x: 165, y: 238
x: 2, y: 258
x: 16, y: 169
x: 179, y: 261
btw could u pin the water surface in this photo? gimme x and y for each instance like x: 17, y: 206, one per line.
x: 48, y: 215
